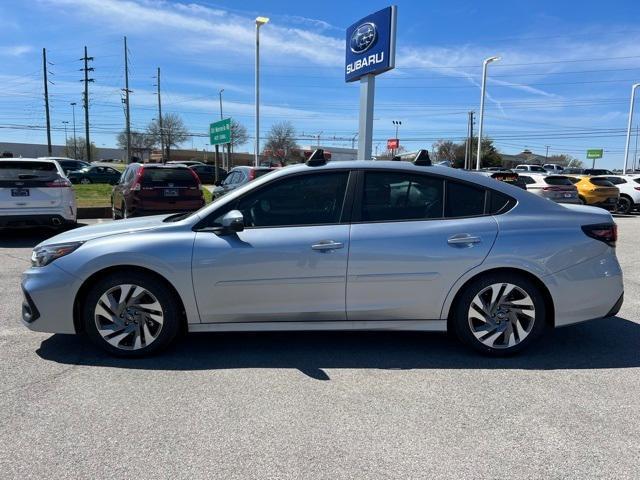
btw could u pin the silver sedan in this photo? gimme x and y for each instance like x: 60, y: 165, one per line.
x: 343, y: 246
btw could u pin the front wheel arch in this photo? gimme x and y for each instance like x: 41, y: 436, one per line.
x: 546, y: 294
x: 95, y: 277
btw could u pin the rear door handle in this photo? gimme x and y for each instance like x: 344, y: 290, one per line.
x: 463, y: 239
x: 326, y: 245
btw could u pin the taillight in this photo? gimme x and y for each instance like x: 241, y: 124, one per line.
x: 135, y: 186
x: 607, y: 233
x: 196, y: 178
x: 59, y: 183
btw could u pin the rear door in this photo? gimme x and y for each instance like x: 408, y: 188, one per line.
x: 413, y: 235
x: 27, y: 184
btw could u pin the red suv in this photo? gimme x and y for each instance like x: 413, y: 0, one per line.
x: 153, y: 189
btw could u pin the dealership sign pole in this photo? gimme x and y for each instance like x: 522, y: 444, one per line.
x: 594, y: 154
x: 370, y: 50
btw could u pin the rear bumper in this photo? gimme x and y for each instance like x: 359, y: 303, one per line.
x: 152, y: 208
x: 588, y: 290
x: 24, y: 220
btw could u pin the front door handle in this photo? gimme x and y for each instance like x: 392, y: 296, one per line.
x: 463, y: 239
x: 327, y: 245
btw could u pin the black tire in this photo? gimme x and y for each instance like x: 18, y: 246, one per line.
x: 164, y: 295
x: 462, y: 325
x: 85, y: 181
x: 625, y: 205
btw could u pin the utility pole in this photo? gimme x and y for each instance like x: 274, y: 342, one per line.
x: 75, y: 144
x: 546, y: 155
x: 46, y: 99
x: 471, y: 122
x: 160, y: 118
x: 468, y: 149
x: 126, y: 100
x: 225, y: 161
x: 86, y: 70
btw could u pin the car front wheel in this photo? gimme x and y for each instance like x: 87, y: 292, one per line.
x: 85, y: 181
x: 131, y: 315
x: 500, y: 314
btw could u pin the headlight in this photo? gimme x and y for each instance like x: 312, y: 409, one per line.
x: 42, y: 256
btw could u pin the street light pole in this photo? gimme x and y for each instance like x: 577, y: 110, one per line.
x: 64, y: 122
x: 259, y: 22
x: 75, y: 144
x: 626, y: 148
x: 486, y: 62
x: 221, y: 117
x: 397, y: 123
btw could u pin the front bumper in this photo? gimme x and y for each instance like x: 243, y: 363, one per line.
x: 49, y: 295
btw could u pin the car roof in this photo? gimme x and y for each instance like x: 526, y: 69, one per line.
x: 39, y: 159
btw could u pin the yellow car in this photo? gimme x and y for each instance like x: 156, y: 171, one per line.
x: 597, y: 191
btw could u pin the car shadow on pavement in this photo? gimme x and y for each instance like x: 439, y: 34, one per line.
x: 29, y: 237
x: 608, y: 343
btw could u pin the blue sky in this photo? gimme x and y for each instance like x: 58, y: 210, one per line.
x: 564, y: 80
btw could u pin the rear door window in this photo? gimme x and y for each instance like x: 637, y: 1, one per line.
x: 391, y: 196
x: 463, y: 200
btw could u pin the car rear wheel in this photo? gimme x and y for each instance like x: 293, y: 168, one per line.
x: 85, y: 181
x: 131, y: 315
x: 500, y: 314
x: 625, y: 205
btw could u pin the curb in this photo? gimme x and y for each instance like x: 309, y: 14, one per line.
x: 94, y: 212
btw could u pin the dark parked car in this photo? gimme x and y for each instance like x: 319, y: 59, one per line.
x: 93, y: 174
x: 598, y: 171
x: 239, y: 176
x: 153, y: 189
x: 207, y: 174
x: 70, y: 165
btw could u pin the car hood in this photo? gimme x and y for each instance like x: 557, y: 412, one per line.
x: 108, y: 228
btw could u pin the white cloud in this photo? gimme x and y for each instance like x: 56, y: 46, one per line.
x: 15, y: 50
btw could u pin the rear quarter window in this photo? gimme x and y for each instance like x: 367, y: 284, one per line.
x: 463, y: 200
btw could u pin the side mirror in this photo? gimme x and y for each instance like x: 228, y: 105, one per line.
x: 233, y: 221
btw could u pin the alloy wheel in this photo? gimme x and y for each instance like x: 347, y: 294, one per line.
x: 501, y: 315
x: 624, y: 205
x: 128, y: 317
x: 85, y: 181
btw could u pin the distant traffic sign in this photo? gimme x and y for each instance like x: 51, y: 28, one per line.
x: 393, y: 143
x: 594, y: 153
x: 220, y: 132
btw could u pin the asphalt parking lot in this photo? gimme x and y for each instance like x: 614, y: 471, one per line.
x: 321, y: 405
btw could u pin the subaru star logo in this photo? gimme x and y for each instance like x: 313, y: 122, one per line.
x: 363, y: 38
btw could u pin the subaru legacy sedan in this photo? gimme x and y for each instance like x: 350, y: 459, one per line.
x: 356, y: 245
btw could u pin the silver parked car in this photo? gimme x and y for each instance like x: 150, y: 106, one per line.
x: 557, y: 188
x: 355, y: 245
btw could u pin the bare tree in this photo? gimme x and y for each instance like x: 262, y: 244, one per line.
x: 140, y: 143
x: 173, y: 133
x: 281, y: 141
x: 445, y: 150
x: 81, y: 144
x: 239, y: 134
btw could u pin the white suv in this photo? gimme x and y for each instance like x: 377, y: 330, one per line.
x: 35, y: 192
x: 530, y: 168
x: 629, y: 186
x: 553, y: 187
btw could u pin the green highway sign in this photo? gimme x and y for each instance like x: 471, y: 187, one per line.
x: 220, y: 132
x: 594, y: 153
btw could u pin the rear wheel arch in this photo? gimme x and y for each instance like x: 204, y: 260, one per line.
x: 548, y: 299
x: 95, y: 277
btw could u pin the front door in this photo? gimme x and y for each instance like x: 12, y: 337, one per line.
x: 413, y: 236
x: 290, y: 262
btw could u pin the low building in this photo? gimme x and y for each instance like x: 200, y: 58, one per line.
x: 526, y: 157
x: 35, y: 150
